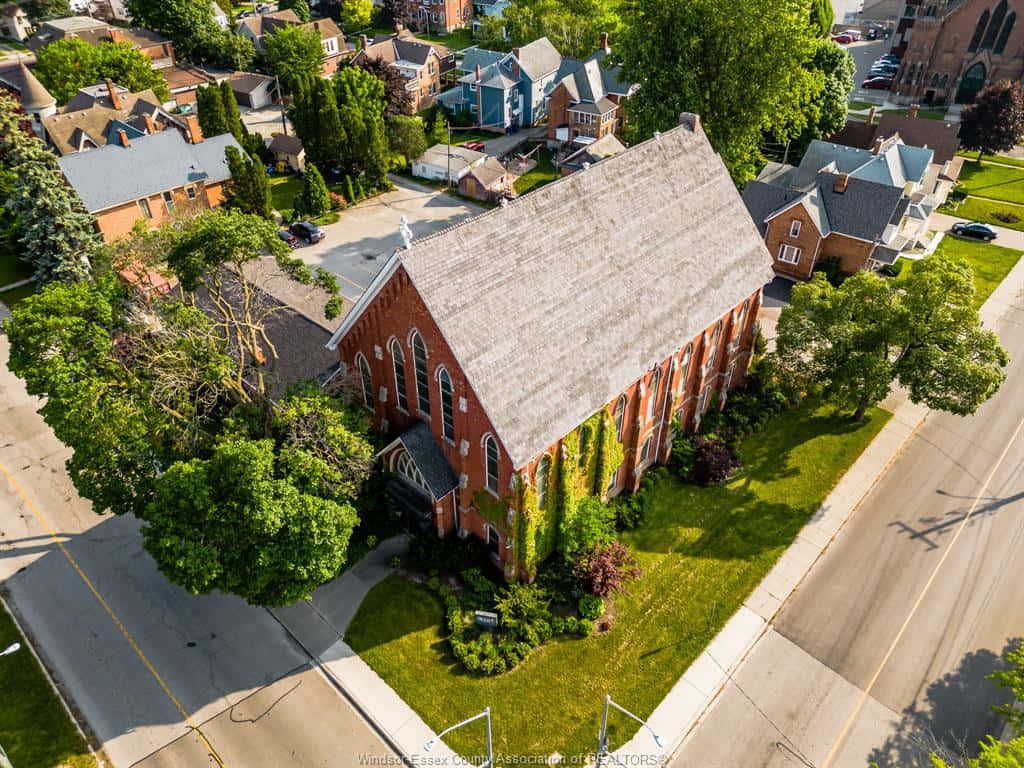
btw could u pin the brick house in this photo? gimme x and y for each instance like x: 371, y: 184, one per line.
x: 256, y: 28
x: 586, y: 102
x: 955, y: 48
x: 422, y: 64
x: 150, y: 178
x: 573, y: 325
x: 445, y: 15
x: 150, y: 44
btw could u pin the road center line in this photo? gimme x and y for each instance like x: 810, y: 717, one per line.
x: 920, y: 599
x: 110, y: 612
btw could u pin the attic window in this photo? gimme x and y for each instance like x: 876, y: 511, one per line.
x: 794, y: 228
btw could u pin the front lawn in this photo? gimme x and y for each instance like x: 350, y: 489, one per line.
x: 990, y: 263
x: 455, y: 41
x: 702, y: 550
x: 35, y: 730
x: 283, y: 190
x: 996, y: 182
x: 543, y: 173
x: 1003, y: 159
x: 980, y: 209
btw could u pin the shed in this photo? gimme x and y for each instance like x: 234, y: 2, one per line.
x: 443, y: 159
x: 486, y: 181
x: 288, y: 150
x: 253, y: 90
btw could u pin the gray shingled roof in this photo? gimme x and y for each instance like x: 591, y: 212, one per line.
x: 895, y: 166
x: 864, y: 210
x: 556, y: 303
x: 762, y: 200
x: 538, y: 58
x: 473, y: 56
x: 113, y: 174
x: 429, y: 460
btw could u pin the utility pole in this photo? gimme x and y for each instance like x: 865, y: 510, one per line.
x: 280, y: 97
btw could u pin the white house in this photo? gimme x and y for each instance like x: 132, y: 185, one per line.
x: 441, y: 160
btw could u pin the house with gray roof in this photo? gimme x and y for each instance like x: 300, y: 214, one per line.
x: 598, y: 310
x: 421, y: 63
x: 151, y: 177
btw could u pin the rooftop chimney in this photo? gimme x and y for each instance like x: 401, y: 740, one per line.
x: 122, y: 138
x: 912, y: 110
x: 871, y: 116
x: 691, y: 121
x: 115, y: 97
x: 195, y: 135
x: 604, y: 43
x: 841, y: 181
x: 116, y: 35
x: 150, y: 125
x: 478, y: 72
x: 363, y: 42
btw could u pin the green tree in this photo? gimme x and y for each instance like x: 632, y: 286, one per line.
x: 293, y: 53
x: 399, y: 100
x: 406, y: 137
x: 314, y: 114
x: 854, y: 341
x: 301, y: 8
x: 826, y: 112
x: 739, y: 65
x: 232, y: 51
x: 231, y: 114
x: 361, y: 104
x: 39, y: 10
x: 822, y: 17
x: 248, y: 189
x: 573, y: 26
x: 65, y: 66
x: 585, y: 526
x: 995, y: 122
x: 316, y: 199
x: 355, y: 14
x: 993, y: 754
x: 210, y: 109
x: 191, y: 26
x: 1012, y: 678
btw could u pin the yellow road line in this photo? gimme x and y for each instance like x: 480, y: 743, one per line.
x: 110, y: 612
x: 917, y: 603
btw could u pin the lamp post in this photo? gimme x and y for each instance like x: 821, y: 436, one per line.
x: 602, y: 742
x: 432, y: 741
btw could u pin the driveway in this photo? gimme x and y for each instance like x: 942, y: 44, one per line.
x: 359, y: 244
x: 266, y: 121
x: 1009, y: 238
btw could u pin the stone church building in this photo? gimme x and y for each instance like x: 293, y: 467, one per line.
x: 958, y: 47
x: 545, y: 349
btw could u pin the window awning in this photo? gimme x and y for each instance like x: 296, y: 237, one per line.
x: 426, y: 454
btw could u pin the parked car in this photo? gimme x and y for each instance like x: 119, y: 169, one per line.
x: 288, y: 237
x: 852, y: 33
x: 882, y: 72
x: 476, y: 146
x: 843, y: 39
x: 877, y: 83
x: 975, y: 229
x: 893, y: 57
x: 884, y: 66
x: 308, y: 231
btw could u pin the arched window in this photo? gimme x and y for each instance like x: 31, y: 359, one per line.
x: 935, y: 80
x: 944, y: 82
x: 491, y: 461
x: 398, y: 359
x: 714, y: 345
x: 542, y: 482
x: 365, y: 380
x: 447, y: 412
x: 972, y: 82
x: 620, y: 416
x: 652, y: 402
x: 685, y: 367
x: 645, y: 450
x: 419, y: 359
x: 994, y: 26
x: 405, y: 467
x: 979, y: 31
x: 1004, y: 36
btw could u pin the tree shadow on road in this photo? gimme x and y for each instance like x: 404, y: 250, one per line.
x: 954, y: 716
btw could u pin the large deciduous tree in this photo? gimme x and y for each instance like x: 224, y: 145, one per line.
x: 739, y: 65
x: 355, y: 14
x: 191, y: 25
x: 995, y: 122
x: 822, y: 17
x: 399, y: 100
x: 406, y: 137
x: 65, y: 66
x: 854, y: 341
x: 300, y: 7
x: 573, y: 26
x: 38, y: 10
x: 404, y: 12
x: 826, y: 112
x: 293, y: 53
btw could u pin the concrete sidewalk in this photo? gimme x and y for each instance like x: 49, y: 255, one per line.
x: 684, y: 706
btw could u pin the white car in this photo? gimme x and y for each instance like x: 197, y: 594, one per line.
x: 852, y: 33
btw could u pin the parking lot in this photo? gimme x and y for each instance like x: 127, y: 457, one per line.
x: 361, y: 241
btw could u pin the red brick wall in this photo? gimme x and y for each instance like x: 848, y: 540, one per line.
x: 398, y: 310
x: 118, y: 222
x: 853, y: 254
x: 558, y: 113
x: 809, y: 241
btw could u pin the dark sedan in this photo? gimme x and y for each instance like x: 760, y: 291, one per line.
x: 877, y: 83
x: 289, y: 238
x: 308, y: 231
x: 975, y: 229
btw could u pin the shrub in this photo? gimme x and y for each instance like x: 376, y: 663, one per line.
x: 831, y: 269
x: 684, y: 453
x: 608, y: 569
x: 1006, y: 218
x: 589, y: 524
x: 395, y: 561
x: 371, y: 542
x: 893, y: 270
x: 479, y: 593
x: 591, y: 607
x: 560, y: 581
x: 760, y: 345
x: 714, y: 459
x: 337, y: 201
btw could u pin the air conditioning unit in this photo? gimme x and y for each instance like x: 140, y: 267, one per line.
x: 463, y: 533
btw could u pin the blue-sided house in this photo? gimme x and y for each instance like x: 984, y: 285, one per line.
x: 506, y: 91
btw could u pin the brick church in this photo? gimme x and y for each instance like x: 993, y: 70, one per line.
x: 549, y: 346
x: 955, y: 48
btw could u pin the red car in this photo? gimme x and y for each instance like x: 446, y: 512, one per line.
x: 476, y: 146
x: 877, y: 83
x: 842, y: 39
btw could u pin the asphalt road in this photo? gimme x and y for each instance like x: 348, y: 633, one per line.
x: 881, y: 654
x: 161, y: 677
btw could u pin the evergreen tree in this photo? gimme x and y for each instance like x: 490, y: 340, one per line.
x: 210, y: 106
x: 248, y: 189
x: 316, y: 199
x: 361, y: 105
x: 350, y: 192
x: 317, y: 122
x: 301, y: 8
x: 232, y: 118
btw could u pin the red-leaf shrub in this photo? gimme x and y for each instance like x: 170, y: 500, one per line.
x: 714, y: 459
x: 608, y: 568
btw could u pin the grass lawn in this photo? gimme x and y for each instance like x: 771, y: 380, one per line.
x: 925, y: 113
x: 542, y: 174
x: 13, y: 269
x: 283, y: 190
x: 34, y: 728
x: 980, y: 209
x: 990, y: 263
x: 456, y: 41
x: 1003, y: 159
x: 702, y: 550
x: 859, y: 106
x: 996, y: 182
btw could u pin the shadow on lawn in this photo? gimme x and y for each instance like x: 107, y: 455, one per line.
x: 954, y: 716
